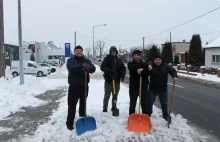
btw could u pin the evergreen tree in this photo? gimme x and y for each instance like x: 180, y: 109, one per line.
x: 195, y: 51
x: 186, y: 58
x: 203, y: 56
x: 167, y: 53
x: 153, y: 51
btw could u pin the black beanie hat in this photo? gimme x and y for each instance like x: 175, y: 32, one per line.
x: 157, y: 56
x: 78, y: 47
x: 136, y: 52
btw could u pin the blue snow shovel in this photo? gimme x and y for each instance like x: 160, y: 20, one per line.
x: 87, y: 123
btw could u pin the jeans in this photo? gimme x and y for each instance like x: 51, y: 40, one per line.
x: 163, y: 97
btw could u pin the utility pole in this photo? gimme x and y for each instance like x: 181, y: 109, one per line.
x: 93, y: 48
x: 74, y: 39
x: 170, y: 38
x: 143, y: 57
x: 2, y: 57
x: 20, y: 44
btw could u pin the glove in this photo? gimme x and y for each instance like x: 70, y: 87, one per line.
x: 85, y: 67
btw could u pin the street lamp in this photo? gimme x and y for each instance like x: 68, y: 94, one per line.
x: 20, y: 44
x: 93, y: 39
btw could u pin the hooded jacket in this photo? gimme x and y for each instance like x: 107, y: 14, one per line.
x: 113, y: 67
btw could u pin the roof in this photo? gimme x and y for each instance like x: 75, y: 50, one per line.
x: 215, y: 43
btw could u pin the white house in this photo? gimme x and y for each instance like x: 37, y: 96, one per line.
x: 39, y: 51
x: 212, y: 53
x: 179, y: 49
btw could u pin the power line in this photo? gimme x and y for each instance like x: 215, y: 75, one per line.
x: 185, y: 22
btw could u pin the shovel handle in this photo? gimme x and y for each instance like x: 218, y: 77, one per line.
x: 140, y: 88
x: 171, y: 99
x: 85, y: 91
x: 113, y: 85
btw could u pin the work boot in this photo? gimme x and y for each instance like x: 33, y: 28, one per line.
x: 113, y: 108
x: 115, y: 112
x: 70, y: 127
x: 105, y: 110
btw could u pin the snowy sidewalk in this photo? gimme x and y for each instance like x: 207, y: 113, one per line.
x: 45, y: 121
x: 26, y: 121
x: 113, y: 129
x: 205, y: 78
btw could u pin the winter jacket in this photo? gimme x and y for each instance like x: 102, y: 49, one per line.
x: 159, y: 77
x: 113, y: 68
x: 135, y: 77
x: 76, y: 75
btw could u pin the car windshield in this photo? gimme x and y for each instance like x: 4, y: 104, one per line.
x: 35, y: 64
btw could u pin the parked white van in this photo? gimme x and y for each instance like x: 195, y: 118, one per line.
x: 30, y: 67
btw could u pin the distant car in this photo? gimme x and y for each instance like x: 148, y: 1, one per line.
x: 30, y: 67
x: 52, y: 68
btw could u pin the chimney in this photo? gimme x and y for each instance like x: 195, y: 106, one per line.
x: 207, y: 43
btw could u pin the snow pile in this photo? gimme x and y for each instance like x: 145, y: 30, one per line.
x: 203, y: 77
x: 109, y: 128
x: 13, y: 96
x: 8, y: 72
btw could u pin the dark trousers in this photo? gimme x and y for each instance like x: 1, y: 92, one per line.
x: 163, y: 97
x: 74, y: 94
x: 134, y: 93
x: 108, y: 91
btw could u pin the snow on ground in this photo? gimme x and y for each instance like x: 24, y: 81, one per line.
x: 13, y: 96
x: 109, y: 128
x: 207, y: 77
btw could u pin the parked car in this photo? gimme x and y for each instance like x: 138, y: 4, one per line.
x: 30, y: 67
x: 52, y: 68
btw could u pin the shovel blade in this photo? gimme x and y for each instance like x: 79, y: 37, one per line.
x: 85, y: 124
x: 139, y: 123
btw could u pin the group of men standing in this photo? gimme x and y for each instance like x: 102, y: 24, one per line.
x: 114, y: 69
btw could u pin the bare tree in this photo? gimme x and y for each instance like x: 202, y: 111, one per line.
x: 88, y: 51
x: 100, y: 45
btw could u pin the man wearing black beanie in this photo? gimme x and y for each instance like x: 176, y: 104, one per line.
x: 136, y: 68
x: 77, y: 65
x: 158, y: 84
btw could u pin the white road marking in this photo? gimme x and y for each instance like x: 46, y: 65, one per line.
x: 175, y: 85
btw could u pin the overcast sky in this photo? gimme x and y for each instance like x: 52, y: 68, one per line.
x: 127, y: 21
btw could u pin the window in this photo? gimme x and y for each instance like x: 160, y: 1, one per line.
x: 30, y: 65
x: 216, y: 58
x: 11, y: 57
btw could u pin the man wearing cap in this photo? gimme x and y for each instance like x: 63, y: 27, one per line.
x: 158, y: 84
x: 136, y: 68
x: 113, y: 69
x: 77, y: 65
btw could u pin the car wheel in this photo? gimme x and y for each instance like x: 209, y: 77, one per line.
x: 53, y: 70
x: 40, y: 74
x: 14, y: 74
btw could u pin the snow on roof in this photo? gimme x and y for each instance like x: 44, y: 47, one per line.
x: 214, y: 43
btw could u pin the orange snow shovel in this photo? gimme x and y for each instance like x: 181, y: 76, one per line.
x: 138, y: 122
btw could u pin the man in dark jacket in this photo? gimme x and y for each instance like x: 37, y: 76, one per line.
x: 77, y: 65
x: 113, y: 68
x: 158, y: 84
x: 136, y: 68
